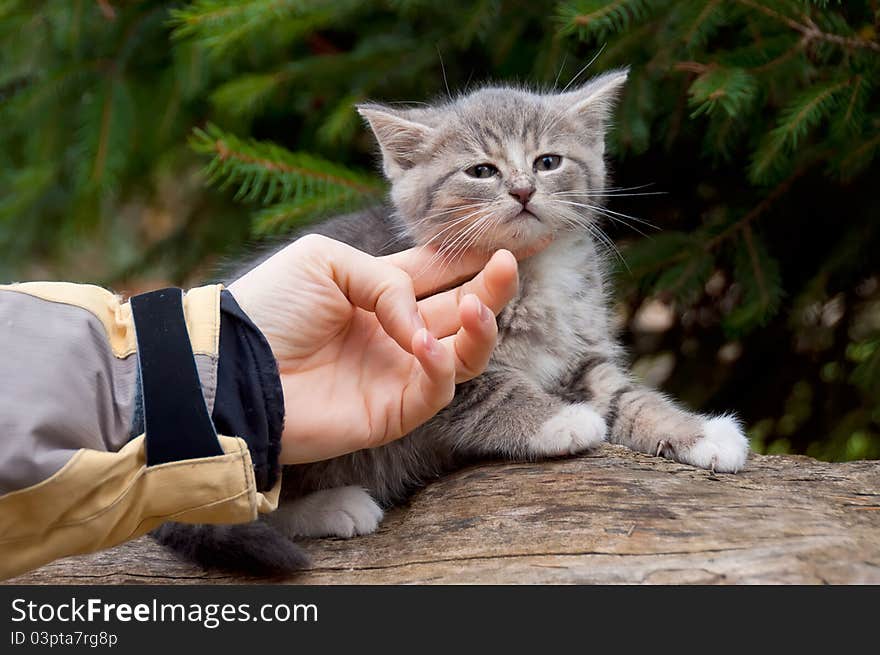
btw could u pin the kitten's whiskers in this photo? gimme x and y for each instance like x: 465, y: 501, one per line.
x: 482, y: 226
x: 611, y: 214
x: 581, y: 71
x: 440, y: 252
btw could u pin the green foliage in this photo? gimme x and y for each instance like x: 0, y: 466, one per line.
x: 306, y: 186
x: 90, y: 112
x: 795, y: 122
x: 674, y: 265
x: 730, y: 89
x: 144, y: 140
x: 867, y: 371
x: 700, y: 21
x: 600, y: 19
x: 222, y: 26
x: 757, y: 272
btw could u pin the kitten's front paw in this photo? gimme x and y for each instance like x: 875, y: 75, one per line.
x: 723, y: 447
x: 339, y: 512
x: 573, y: 429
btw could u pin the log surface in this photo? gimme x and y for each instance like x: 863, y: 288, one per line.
x: 610, y: 517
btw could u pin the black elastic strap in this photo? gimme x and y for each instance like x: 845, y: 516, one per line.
x: 176, y: 420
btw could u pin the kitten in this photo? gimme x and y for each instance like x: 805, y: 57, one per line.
x: 498, y: 168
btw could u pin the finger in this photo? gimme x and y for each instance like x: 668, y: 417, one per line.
x: 380, y: 287
x: 494, y: 286
x: 435, y: 384
x: 430, y: 272
x: 472, y: 346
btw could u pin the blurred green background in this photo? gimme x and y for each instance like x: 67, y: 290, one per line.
x: 141, y: 143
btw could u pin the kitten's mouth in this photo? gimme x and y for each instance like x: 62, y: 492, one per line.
x: 525, y: 214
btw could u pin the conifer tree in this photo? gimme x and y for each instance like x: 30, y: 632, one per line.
x: 144, y: 139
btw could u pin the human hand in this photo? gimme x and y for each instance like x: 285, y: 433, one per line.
x: 362, y: 362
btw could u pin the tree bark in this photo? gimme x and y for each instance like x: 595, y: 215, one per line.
x: 611, y: 517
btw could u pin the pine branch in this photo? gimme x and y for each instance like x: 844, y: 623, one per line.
x: 618, y: 7
x: 731, y: 89
x: 851, y: 121
x: 692, y: 67
x: 205, y: 14
x: 759, y: 210
x: 723, y: 136
x: 686, y: 281
x: 645, y: 258
x: 703, y: 18
x: 796, y: 123
x: 244, y: 96
x: 116, y: 115
x: 803, y: 114
x: 221, y: 25
x: 34, y: 95
x: 19, y: 189
x: 283, y: 216
x: 303, y: 186
x: 786, y: 56
x: 342, y: 122
x: 478, y: 22
x: 811, y: 31
x: 859, y: 158
x: 602, y: 19
x: 757, y: 272
x: 686, y: 260
x: 104, y: 135
x: 851, y: 105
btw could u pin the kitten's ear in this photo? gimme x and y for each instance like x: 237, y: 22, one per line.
x: 591, y: 105
x: 401, y: 139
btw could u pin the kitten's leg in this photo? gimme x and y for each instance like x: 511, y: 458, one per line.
x: 338, y: 512
x: 501, y: 412
x: 646, y: 420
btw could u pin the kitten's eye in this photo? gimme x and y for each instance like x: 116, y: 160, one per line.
x: 482, y: 171
x: 547, y: 162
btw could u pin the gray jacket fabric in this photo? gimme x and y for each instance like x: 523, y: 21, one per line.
x: 74, y: 469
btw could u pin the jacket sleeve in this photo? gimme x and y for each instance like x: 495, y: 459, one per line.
x: 118, y: 416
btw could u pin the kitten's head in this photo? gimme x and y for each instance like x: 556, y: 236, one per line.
x: 499, y: 167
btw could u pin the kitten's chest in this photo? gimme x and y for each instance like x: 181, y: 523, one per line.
x: 559, y: 312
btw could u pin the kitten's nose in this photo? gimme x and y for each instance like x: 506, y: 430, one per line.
x: 523, y: 193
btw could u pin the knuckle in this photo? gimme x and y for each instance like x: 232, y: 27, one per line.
x: 401, y: 280
x: 313, y: 241
x: 464, y: 367
x: 460, y: 293
x: 445, y: 392
x: 398, y: 282
x: 483, y: 291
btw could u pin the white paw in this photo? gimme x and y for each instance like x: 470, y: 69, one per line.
x: 572, y: 429
x: 339, y: 512
x: 723, y: 446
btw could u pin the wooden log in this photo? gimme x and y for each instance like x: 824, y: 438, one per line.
x: 610, y: 517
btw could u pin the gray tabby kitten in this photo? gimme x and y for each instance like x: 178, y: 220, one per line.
x: 498, y: 168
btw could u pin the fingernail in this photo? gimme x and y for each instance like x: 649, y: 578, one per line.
x: 485, y: 314
x: 429, y: 341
